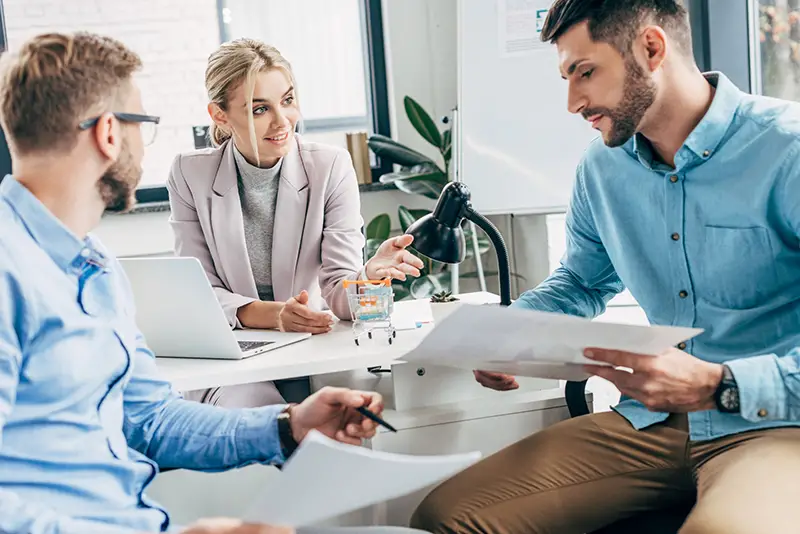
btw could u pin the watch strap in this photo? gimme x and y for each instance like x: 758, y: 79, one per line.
x: 288, y: 443
x: 726, y: 396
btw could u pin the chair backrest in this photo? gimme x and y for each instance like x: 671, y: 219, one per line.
x: 5, y: 156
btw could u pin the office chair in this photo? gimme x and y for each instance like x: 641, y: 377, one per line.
x: 666, y: 521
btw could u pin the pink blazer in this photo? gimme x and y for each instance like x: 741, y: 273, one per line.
x: 317, y: 240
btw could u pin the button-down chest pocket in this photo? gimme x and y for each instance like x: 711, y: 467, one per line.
x: 737, y: 269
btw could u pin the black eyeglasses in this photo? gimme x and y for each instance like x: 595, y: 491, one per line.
x: 147, y: 123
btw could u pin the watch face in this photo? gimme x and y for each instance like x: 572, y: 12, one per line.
x: 730, y: 399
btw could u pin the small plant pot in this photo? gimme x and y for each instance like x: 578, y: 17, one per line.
x: 440, y: 310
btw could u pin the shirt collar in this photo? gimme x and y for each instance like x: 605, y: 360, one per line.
x: 66, y: 249
x: 710, y: 131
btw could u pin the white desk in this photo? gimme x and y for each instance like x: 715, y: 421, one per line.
x: 324, y: 354
x: 321, y: 354
x: 334, y: 359
x: 444, y: 411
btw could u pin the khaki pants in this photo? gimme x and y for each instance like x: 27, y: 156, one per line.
x: 588, y: 472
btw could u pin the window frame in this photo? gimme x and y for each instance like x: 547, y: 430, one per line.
x: 723, y: 38
x: 377, y: 95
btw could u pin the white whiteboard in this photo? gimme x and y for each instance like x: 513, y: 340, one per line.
x: 518, y: 144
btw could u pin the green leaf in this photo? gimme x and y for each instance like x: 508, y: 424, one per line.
x: 422, y: 122
x: 379, y: 227
x: 447, y: 145
x: 483, y: 242
x: 372, y: 245
x: 408, y: 217
x: 418, y: 214
x: 400, y: 292
x: 394, y: 152
x: 423, y: 180
x: 428, y: 171
x: 425, y: 286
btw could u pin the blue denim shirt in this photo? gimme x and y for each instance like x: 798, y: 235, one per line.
x: 712, y: 244
x: 85, y: 419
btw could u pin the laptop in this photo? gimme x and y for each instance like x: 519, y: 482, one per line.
x: 180, y: 317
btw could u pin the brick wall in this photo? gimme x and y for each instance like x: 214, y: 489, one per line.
x: 174, y: 39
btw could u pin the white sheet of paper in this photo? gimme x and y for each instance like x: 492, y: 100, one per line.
x: 512, y: 336
x: 325, y: 479
x: 408, y: 314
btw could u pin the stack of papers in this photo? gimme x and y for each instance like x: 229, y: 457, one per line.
x: 325, y: 479
x: 411, y: 314
x: 530, y: 343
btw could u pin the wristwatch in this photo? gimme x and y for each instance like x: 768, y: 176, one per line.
x: 288, y: 443
x: 727, y: 394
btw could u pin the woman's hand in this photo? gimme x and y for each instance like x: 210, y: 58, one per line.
x: 296, y: 316
x: 392, y: 260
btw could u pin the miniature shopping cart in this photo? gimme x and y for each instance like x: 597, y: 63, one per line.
x: 371, y: 305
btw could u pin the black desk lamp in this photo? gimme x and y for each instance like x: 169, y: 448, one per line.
x: 440, y: 237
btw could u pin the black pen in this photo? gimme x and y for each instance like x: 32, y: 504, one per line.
x: 369, y: 415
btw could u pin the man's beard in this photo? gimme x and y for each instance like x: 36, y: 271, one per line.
x: 638, y: 95
x: 118, y: 185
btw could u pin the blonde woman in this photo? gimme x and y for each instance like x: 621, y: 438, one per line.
x: 274, y: 219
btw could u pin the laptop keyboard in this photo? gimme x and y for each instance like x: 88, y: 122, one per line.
x: 250, y: 345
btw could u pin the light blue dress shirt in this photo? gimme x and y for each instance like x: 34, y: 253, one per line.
x: 712, y: 244
x: 85, y: 419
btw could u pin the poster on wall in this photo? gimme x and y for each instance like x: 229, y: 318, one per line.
x: 520, y: 26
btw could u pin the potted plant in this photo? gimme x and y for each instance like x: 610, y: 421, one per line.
x: 417, y: 175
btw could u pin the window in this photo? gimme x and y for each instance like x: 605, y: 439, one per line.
x: 324, y: 42
x: 756, y: 43
x: 336, y: 50
x: 777, y: 39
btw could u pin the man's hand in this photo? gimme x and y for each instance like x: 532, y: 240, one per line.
x: 232, y: 526
x: 673, y: 382
x: 496, y: 381
x: 392, y: 260
x: 332, y: 411
x: 296, y: 316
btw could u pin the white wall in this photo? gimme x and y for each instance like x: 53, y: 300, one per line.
x: 420, y: 40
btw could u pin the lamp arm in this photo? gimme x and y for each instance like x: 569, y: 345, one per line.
x: 502, y: 252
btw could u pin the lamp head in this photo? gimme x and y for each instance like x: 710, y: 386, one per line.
x: 439, y: 235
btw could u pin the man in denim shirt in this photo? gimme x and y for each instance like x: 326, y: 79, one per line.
x: 692, y: 201
x: 85, y: 419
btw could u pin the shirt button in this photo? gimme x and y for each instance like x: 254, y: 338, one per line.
x: 86, y: 253
x: 675, y: 236
x: 673, y: 178
x: 763, y: 413
x: 681, y: 346
x: 683, y: 294
x: 706, y: 153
